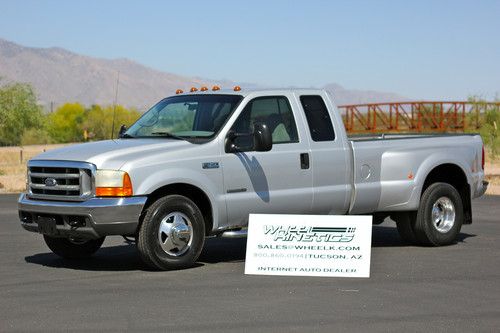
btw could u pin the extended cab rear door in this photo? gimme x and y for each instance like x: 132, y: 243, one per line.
x: 276, y: 181
x: 330, y: 154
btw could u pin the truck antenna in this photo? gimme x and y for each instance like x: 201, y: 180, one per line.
x: 114, y: 105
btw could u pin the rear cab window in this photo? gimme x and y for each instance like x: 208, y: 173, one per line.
x: 318, y: 118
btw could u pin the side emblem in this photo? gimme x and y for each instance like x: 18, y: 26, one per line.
x: 210, y: 165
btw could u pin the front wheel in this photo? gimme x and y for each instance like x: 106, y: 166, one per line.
x: 440, y: 215
x: 73, y: 248
x: 172, y: 233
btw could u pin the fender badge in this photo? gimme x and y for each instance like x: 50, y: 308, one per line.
x: 210, y: 165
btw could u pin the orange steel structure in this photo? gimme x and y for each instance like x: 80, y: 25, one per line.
x: 421, y: 116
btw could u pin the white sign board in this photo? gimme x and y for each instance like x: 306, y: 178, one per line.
x: 309, y: 245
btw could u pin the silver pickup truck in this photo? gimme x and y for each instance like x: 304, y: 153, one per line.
x: 196, y: 164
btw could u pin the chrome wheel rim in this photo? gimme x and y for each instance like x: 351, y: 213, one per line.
x: 175, y: 234
x: 443, y: 214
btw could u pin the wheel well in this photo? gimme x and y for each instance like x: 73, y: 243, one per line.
x: 192, y: 192
x: 455, y: 176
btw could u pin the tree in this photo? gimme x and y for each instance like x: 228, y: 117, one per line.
x: 489, y: 124
x: 99, y: 120
x: 18, y: 112
x: 490, y: 131
x: 66, y: 123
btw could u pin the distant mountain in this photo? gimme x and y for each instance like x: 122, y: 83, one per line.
x: 344, y: 96
x: 61, y: 76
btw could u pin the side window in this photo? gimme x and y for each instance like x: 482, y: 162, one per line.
x: 276, y: 112
x: 318, y: 119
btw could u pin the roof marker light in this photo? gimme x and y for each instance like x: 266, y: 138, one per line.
x: 178, y: 91
x: 215, y: 88
x: 193, y: 89
x: 203, y: 88
x: 237, y: 88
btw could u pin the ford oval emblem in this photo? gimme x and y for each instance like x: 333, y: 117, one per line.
x: 50, y: 182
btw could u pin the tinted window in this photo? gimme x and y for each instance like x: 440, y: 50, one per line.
x: 275, y: 112
x: 318, y: 119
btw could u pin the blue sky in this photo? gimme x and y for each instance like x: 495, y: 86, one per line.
x: 420, y: 49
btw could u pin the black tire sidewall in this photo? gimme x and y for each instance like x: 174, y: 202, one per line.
x: 405, y: 226
x: 150, y: 228
x: 64, y: 248
x: 425, y: 230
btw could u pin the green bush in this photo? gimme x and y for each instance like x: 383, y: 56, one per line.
x: 489, y: 125
x: 36, y: 136
x: 18, y: 112
x: 99, y: 121
x: 65, y: 124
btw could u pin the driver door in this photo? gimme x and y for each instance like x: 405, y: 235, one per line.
x: 276, y: 181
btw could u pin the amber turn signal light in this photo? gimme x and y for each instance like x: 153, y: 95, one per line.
x: 124, y: 191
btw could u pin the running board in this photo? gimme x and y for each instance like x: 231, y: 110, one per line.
x: 240, y: 233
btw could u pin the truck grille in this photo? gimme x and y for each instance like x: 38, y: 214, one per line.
x: 60, y: 180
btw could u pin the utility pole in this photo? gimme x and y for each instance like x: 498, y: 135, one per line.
x: 114, y: 105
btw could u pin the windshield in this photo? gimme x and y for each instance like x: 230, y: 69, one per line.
x: 191, y: 116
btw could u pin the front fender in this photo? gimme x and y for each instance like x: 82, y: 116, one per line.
x: 170, y: 176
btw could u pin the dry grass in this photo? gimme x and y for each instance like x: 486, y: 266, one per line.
x: 13, y: 168
x: 13, y: 165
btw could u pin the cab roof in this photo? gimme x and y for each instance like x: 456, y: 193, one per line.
x: 245, y: 92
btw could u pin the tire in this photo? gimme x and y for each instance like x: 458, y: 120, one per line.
x: 172, y: 233
x: 405, y: 225
x: 440, y: 215
x: 73, y: 249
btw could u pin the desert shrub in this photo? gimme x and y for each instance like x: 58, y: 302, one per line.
x: 36, y: 136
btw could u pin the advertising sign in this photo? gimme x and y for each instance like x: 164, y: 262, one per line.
x: 309, y: 245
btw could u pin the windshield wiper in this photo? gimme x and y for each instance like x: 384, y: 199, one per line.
x: 168, y: 135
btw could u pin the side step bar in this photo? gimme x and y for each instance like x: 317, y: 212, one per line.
x: 240, y: 233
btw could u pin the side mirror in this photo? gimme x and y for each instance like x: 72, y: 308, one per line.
x: 259, y: 140
x: 122, y: 131
x: 262, y: 138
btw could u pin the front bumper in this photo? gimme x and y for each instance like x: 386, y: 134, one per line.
x: 93, y: 218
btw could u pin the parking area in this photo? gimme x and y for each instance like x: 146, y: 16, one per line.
x: 455, y: 288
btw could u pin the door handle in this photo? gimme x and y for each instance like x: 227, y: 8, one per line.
x: 304, y: 161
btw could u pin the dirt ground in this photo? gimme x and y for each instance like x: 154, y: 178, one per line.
x: 13, y: 168
x: 493, y: 176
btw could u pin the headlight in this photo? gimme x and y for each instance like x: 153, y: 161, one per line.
x: 112, y: 183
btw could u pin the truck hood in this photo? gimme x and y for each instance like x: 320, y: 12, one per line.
x: 112, y: 154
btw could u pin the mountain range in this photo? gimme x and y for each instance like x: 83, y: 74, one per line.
x: 60, y: 76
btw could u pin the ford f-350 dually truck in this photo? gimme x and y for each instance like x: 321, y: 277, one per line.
x: 197, y: 164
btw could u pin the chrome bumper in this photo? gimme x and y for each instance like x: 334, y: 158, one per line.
x: 96, y: 217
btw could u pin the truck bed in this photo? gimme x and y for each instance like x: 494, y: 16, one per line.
x: 393, y: 167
